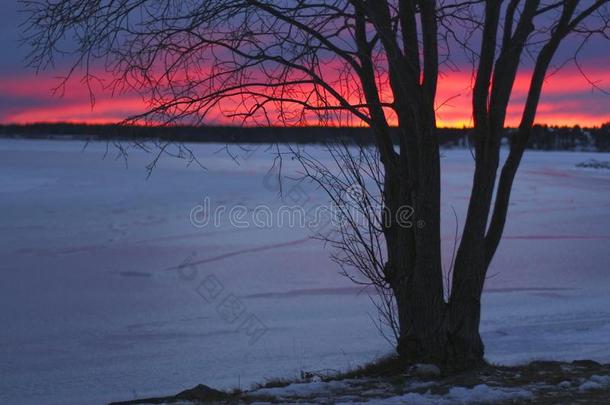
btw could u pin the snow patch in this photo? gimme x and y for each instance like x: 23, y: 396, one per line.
x: 302, y: 389
x: 596, y: 382
x: 460, y: 395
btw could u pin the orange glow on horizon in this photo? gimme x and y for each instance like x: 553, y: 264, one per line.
x: 566, y: 100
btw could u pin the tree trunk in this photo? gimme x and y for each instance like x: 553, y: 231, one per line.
x: 431, y: 330
x: 441, y: 333
x: 465, y: 348
x: 414, y: 250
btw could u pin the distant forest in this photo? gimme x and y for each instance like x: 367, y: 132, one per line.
x: 543, y: 138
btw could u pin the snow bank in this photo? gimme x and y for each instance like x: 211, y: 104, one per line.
x: 480, y: 394
x: 302, y: 389
x: 596, y: 382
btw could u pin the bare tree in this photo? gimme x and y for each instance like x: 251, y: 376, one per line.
x: 360, y: 62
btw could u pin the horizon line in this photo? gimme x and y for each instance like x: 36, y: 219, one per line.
x: 204, y: 126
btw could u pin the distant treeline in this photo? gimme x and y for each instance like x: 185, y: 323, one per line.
x: 543, y: 137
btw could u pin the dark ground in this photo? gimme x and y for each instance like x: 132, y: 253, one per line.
x: 549, y: 383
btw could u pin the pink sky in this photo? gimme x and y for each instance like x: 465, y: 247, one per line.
x: 568, y: 99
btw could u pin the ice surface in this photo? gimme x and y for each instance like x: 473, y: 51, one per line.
x: 94, y: 305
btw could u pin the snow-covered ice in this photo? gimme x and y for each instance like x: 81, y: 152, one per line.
x: 94, y: 305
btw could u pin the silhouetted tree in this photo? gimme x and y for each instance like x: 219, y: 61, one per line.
x: 371, y: 62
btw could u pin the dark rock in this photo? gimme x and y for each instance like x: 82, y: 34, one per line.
x: 594, y: 164
x: 201, y: 393
x: 545, y: 366
x: 586, y: 363
x: 425, y: 371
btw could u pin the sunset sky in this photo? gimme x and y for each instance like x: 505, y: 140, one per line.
x: 568, y: 97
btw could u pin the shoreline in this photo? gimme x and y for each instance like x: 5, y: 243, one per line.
x: 545, y: 382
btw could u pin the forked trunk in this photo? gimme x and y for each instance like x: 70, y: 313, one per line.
x: 447, y: 335
x: 430, y: 329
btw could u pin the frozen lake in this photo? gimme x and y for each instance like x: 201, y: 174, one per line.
x: 94, y: 306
